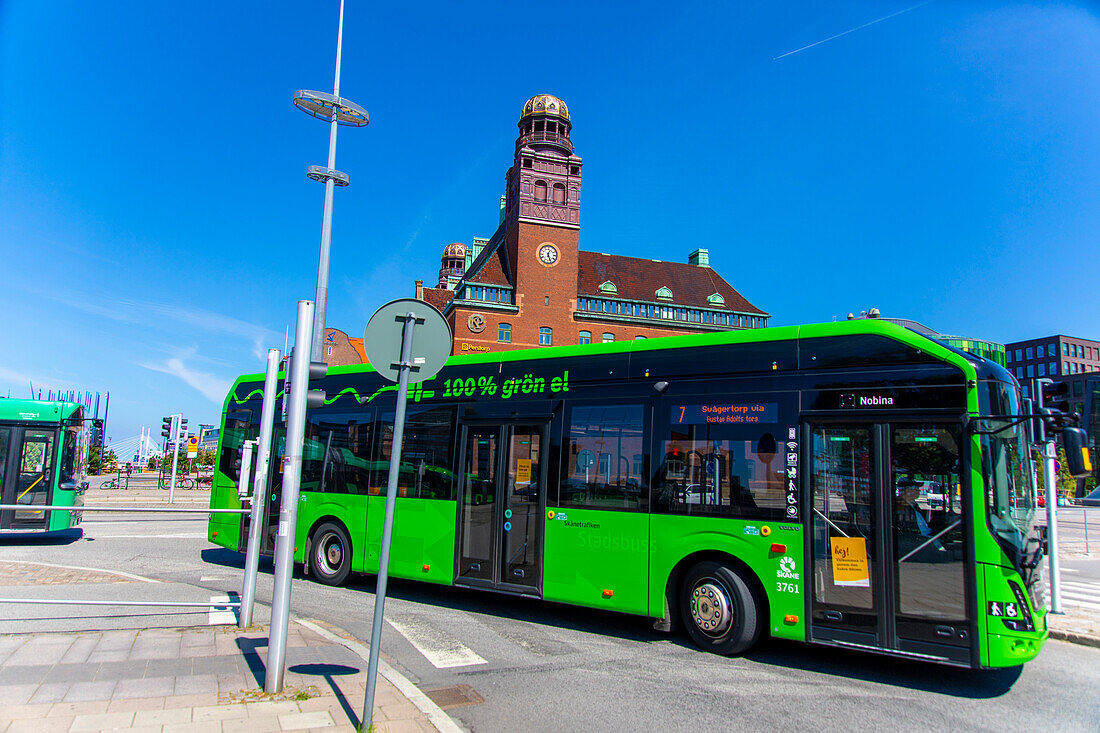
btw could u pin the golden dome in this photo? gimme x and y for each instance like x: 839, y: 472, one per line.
x: 455, y: 249
x: 545, y: 104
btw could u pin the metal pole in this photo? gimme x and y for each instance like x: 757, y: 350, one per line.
x: 176, y: 420
x: 317, y: 349
x: 1085, y: 515
x: 387, y: 526
x: 1052, y: 527
x: 259, y: 489
x: 288, y: 516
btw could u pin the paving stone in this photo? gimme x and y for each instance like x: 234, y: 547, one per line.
x: 218, y: 712
x: 81, y: 649
x: 116, y: 641
x: 270, y: 708
x: 147, y: 687
x: 135, y: 704
x: 29, y: 712
x: 108, y: 655
x: 206, y: 726
x: 50, y: 692
x: 304, y: 721
x: 80, y: 691
x: 102, y: 721
x: 60, y: 724
x: 17, y: 694
x: 162, y: 717
x: 190, y: 701
x: 83, y: 707
x: 13, y: 675
x: 194, y: 684
x: 258, y: 724
x: 72, y: 673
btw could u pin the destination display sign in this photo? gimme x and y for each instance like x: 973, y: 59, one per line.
x: 725, y: 413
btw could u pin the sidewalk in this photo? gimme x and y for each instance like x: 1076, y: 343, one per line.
x: 202, y: 679
x: 1077, y: 625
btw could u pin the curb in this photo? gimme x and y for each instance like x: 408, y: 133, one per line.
x: 1075, y: 637
x: 423, y: 703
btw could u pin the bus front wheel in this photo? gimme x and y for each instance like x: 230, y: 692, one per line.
x: 330, y: 554
x: 719, y: 609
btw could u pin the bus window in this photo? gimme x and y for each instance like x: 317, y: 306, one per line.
x: 603, y: 457
x: 69, y: 468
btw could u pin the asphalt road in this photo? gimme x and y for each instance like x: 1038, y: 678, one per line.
x: 549, y: 667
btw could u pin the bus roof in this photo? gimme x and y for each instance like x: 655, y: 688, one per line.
x: 756, y: 335
x: 36, y: 410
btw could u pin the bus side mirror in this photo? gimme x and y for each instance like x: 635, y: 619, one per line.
x: 1076, y: 443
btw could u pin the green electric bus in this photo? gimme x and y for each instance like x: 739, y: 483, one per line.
x: 851, y: 484
x: 42, y: 446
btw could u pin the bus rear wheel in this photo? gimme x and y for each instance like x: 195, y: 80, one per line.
x: 330, y: 554
x: 719, y: 609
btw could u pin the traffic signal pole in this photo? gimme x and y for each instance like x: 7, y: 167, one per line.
x: 288, y: 515
x: 259, y: 489
x: 175, y: 454
x: 1050, y: 487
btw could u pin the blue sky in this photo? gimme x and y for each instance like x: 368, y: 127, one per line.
x: 157, y: 227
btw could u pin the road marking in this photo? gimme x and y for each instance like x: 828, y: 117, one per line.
x: 438, y: 647
x: 190, y: 536
x: 131, y: 576
x: 221, y: 616
x: 210, y: 578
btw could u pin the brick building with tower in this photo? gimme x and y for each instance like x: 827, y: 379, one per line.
x: 531, y: 285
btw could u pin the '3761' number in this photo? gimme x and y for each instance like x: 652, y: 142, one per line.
x: 786, y: 587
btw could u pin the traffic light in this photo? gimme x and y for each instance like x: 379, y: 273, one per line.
x: 166, y: 427
x: 1078, y: 460
x: 183, y: 428
x: 1053, y: 408
x: 97, y: 432
x: 314, y: 397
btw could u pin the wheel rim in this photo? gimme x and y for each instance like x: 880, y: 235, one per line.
x: 330, y: 554
x: 711, y: 607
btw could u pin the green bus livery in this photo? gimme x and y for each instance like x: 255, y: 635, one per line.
x: 42, y: 445
x: 850, y: 484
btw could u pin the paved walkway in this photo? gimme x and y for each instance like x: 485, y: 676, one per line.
x: 198, y: 680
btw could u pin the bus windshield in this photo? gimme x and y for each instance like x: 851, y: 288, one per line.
x: 1010, y: 501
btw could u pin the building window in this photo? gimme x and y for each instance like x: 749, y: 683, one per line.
x: 504, y: 333
x: 540, y: 191
x: 585, y: 337
x: 1019, y: 355
x: 608, y: 337
x: 607, y: 287
x: 716, y: 299
x: 1053, y: 368
x: 1042, y: 369
x: 664, y: 293
x: 546, y: 336
x: 1065, y: 349
x: 559, y: 193
x: 1019, y: 372
x: 1040, y: 351
x: 1031, y: 371
x: 1030, y: 353
x: 639, y: 338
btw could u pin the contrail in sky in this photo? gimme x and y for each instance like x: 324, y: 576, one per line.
x: 852, y: 30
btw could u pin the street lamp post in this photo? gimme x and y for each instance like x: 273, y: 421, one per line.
x: 335, y: 111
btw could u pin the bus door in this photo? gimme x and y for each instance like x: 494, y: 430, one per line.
x: 273, y: 499
x: 500, y: 508
x: 26, y: 474
x: 888, y: 555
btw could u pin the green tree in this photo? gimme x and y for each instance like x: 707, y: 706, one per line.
x: 94, y: 460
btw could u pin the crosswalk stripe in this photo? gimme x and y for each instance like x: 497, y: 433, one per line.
x: 220, y: 616
x: 438, y: 647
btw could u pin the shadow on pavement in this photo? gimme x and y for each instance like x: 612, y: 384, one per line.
x: 840, y: 663
x: 43, y: 539
x: 328, y: 671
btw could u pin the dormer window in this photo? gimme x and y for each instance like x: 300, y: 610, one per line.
x: 608, y: 287
x: 716, y: 299
x: 663, y: 293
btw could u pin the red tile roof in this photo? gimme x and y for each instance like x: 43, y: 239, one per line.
x: 639, y: 279
x: 439, y: 297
